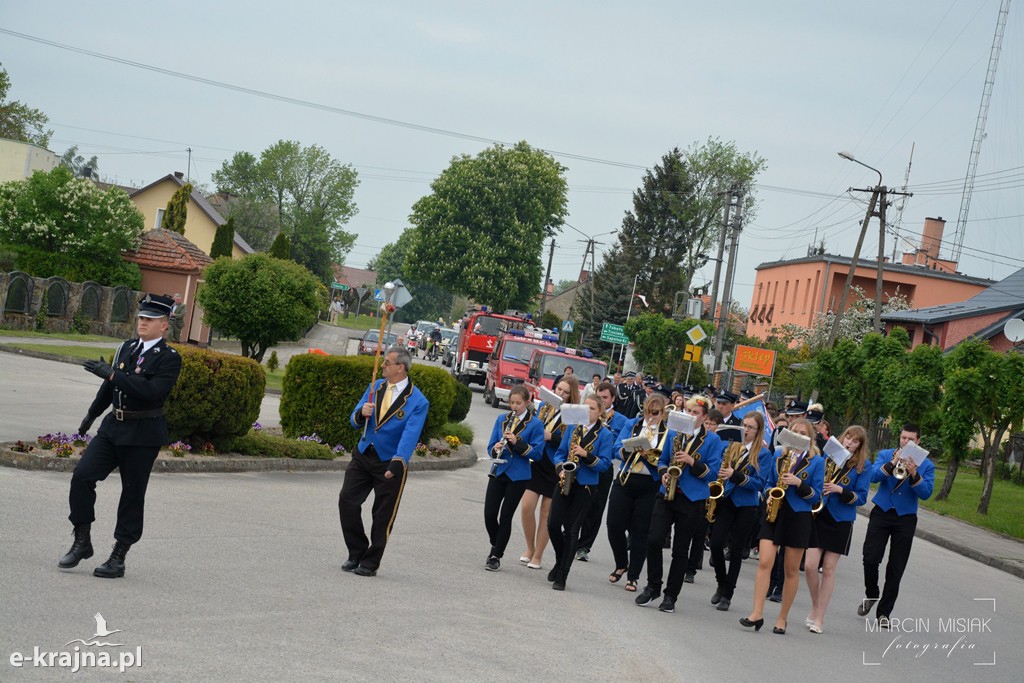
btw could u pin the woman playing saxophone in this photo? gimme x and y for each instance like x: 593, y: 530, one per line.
x: 802, y: 482
x: 845, y: 490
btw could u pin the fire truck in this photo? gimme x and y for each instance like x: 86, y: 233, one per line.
x: 476, y: 341
x: 510, y: 358
x: 547, y: 364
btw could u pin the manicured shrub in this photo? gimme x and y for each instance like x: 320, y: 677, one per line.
x: 218, y: 396
x: 460, y: 407
x: 320, y: 392
x: 463, y: 431
x: 271, y: 446
x: 272, y: 362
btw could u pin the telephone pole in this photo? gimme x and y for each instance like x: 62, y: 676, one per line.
x: 730, y: 273
x: 547, y: 278
x: 727, y: 206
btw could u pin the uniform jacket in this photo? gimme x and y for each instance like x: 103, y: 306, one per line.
x: 598, y: 442
x: 529, y: 447
x: 811, y: 473
x: 843, y: 506
x: 634, y: 428
x: 746, y: 483
x: 901, y: 495
x: 396, y: 433
x: 140, y: 385
x: 551, y: 420
x: 707, y: 450
x: 615, y: 425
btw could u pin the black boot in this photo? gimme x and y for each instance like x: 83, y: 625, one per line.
x: 114, y: 566
x: 81, y: 549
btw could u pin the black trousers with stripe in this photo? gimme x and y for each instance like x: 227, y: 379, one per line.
x: 365, y: 474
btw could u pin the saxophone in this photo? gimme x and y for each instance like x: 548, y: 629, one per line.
x: 716, y: 489
x: 778, y: 492
x: 651, y: 456
x: 832, y: 474
x: 571, y: 464
x: 675, y: 471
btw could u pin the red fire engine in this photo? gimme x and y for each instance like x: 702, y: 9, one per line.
x: 476, y: 341
x: 509, y: 360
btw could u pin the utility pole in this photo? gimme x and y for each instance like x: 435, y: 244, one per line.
x: 547, y: 278
x: 853, y: 266
x: 877, y: 323
x: 721, y: 253
x: 730, y: 273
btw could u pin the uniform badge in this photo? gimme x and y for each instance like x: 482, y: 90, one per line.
x: 138, y: 371
x: 846, y: 480
x: 803, y: 475
x: 157, y: 350
x: 121, y: 366
x: 400, y: 415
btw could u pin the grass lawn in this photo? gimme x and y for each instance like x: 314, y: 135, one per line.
x: 275, y: 379
x: 66, y: 336
x: 1003, y: 510
x: 362, y: 323
x: 83, y: 352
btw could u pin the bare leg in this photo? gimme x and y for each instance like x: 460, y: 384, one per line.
x: 791, y: 585
x: 813, y: 581
x: 766, y: 559
x: 828, y: 584
x: 528, y: 516
x: 542, y: 530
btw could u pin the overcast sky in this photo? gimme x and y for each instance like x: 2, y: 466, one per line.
x: 614, y: 81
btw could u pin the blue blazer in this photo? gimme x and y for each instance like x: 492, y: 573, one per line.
x: 529, y: 447
x: 843, y: 506
x: 707, y: 455
x: 395, y: 434
x: 598, y: 441
x: 551, y: 420
x: 615, y: 424
x: 746, y: 483
x: 901, y: 495
x: 633, y: 428
x: 812, y: 472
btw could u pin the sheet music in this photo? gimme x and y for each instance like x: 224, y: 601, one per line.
x: 798, y: 442
x: 575, y: 413
x: 914, y: 452
x: 549, y: 397
x: 834, y: 449
x: 681, y: 423
x: 636, y: 443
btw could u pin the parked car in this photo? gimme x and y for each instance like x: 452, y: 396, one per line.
x: 368, y: 344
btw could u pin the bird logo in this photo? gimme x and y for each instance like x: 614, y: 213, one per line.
x: 101, y: 632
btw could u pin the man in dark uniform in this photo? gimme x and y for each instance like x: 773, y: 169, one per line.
x: 143, y: 373
x: 625, y: 396
x: 391, y: 422
x: 614, y: 422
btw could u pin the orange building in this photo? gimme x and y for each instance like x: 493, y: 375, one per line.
x: 798, y: 291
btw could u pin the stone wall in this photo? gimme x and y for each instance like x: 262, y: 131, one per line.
x: 84, y: 307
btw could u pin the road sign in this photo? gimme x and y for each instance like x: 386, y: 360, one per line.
x: 692, y: 353
x: 378, y: 294
x: 614, y: 334
x: 340, y: 285
x: 567, y: 326
x: 696, y: 334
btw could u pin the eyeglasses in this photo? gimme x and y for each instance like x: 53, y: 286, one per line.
x: 654, y: 412
x: 386, y: 363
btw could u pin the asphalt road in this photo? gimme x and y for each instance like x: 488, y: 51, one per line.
x: 237, y: 578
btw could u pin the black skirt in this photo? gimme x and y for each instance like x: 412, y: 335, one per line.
x: 543, y: 479
x: 790, y: 529
x: 830, y: 535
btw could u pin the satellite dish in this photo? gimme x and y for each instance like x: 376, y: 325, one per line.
x: 1014, y: 330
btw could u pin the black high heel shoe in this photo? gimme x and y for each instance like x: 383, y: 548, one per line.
x: 756, y: 624
x: 780, y: 631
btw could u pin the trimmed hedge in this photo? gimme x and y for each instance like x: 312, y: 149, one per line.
x: 460, y: 408
x: 320, y: 392
x: 217, y: 397
x: 463, y: 431
x: 270, y: 446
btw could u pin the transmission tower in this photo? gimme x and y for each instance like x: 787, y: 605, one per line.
x: 979, y: 129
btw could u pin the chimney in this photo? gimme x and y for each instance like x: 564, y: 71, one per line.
x: 179, y: 175
x: 550, y: 287
x: 931, y: 237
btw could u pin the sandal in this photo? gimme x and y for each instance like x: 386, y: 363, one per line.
x: 616, y: 575
x: 631, y: 586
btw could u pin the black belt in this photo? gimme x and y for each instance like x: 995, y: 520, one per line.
x: 122, y: 415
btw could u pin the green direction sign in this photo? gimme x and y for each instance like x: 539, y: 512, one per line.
x: 614, y: 334
x: 339, y: 285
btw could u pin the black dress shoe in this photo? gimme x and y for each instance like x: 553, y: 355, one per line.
x: 553, y: 574
x: 648, y: 596
x: 80, y: 550
x: 689, y: 576
x: 723, y: 605
x: 349, y: 565
x: 558, y: 585
x: 716, y: 597
x: 865, y: 606
x: 364, y: 571
x: 113, y: 568
x: 748, y: 623
x: 779, y: 631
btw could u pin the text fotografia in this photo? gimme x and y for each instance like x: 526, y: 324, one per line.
x: 77, y: 659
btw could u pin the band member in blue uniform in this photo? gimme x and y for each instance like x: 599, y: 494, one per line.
x: 142, y: 373
x: 802, y: 481
x: 518, y: 439
x: 844, y: 491
x: 588, y: 449
x: 543, y: 481
x: 699, y: 456
x: 634, y: 491
x: 894, y: 518
x: 391, y: 424
x: 614, y: 421
x: 735, y: 513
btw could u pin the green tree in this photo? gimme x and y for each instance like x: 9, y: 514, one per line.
x: 603, y: 298
x: 255, y: 220
x: 75, y: 162
x: 223, y: 240
x: 176, y: 212
x: 482, y: 229
x: 428, y: 300
x: 677, y: 216
x: 281, y: 248
x: 912, y: 390
x: 965, y: 382
x: 18, y: 121
x: 260, y: 300
x: 310, y: 194
x: 659, y: 344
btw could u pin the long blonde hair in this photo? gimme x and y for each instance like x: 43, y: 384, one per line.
x: 813, y: 450
x: 758, y: 443
x: 860, y: 456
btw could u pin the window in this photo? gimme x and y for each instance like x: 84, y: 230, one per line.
x: 19, y: 293
x: 57, y: 298
x: 120, y: 308
x: 159, y: 218
x: 90, y: 308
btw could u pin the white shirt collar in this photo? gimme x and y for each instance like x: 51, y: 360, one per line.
x: 147, y: 345
x: 400, y: 386
x: 522, y: 416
